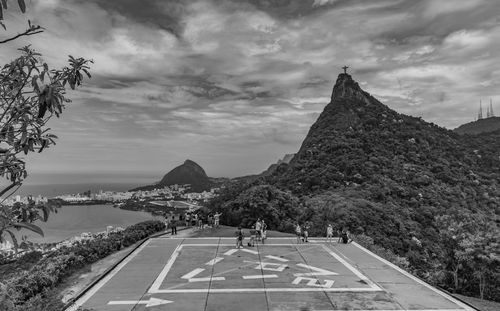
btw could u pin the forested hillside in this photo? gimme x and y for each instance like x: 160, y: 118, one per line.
x: 425, y: 194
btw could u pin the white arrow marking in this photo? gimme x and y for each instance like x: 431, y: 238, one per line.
x: 269, y: 266
x: 214, y: 261
x: 193, y: 273
x: 149, y: 303
x: 249, y: 251
x: 319, y: 271
x: 313, y: 282
x: 190, y: 276
x: 277, y: 258
x: 230, y: 252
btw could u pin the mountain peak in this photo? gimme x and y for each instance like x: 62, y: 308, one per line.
x: 346, y: 88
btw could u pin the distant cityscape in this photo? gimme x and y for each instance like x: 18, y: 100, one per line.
x: 173, y: 202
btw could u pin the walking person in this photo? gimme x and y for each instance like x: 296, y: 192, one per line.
x: 329, y: 233
x: 239, y: 237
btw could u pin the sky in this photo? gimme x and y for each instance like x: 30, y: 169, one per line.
x: 234, y: 85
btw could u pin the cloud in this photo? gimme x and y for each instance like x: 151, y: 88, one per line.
x: 238, y: 83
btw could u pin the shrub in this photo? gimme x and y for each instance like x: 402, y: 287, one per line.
x: 51, y: 270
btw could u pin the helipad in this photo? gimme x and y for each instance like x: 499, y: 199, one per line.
x: 211, y: 274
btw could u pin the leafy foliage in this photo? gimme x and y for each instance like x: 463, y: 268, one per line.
x: 30, y: 95
x: 26, y: 290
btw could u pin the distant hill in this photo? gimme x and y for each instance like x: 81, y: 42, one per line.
x: 480, y: 126
x: 429, y: 197
x: 187, y: 173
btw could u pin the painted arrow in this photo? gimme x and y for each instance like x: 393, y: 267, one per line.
x: 149, y: 303
x: 318, y: 271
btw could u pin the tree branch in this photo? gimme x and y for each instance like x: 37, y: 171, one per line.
x: 31, y: 31
x: 8, y: 188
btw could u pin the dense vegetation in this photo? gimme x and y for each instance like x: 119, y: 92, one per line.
x: 425, y: 194
x: 30, y: 288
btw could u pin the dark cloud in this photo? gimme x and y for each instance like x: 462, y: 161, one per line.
x: 165, y: 14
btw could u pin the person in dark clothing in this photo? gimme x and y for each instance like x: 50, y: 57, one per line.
x: 239, y: 238
x: 173, y: 226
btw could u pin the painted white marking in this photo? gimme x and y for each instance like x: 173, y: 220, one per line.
x: 163, y: 274
x: 267, y: 290
x: 353, y: 270
x: 269, y: 266
x: 249, y: 251
x: 230, y: 252
x: 313, y: 282
x: 247, y: 290
x: 394, y: 310
x: 209, y: 279
x: 452, y: 299
x: 193, y: 273
x: 78, y: 303
x: 214, y: 261
x: 260, y: 276
x: 277, y: 258
x: 191, y: 276
x: 152, y: 302
x: 319, y: 271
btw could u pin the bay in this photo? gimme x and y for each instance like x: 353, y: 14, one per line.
x: 73, y: 220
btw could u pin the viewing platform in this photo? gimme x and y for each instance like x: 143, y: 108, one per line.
x: 194, y: 274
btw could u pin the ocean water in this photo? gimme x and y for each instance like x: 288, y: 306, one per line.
x: 72, y: 220
x: 52, y: 190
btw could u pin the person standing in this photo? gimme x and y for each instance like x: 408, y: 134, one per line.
x: 306, y: 232
x: 263, y: 230
x: 298, y: 232
x: 188, y: 219
x: 239, y: 238
x: 173, y: 226
x: 329, y: 233
x: 217, y: 219
x: 253, y: 234
x: 258, y: 227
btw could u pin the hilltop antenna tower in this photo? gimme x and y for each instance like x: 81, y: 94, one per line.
x: 491, y: 109
x: 480, y: 114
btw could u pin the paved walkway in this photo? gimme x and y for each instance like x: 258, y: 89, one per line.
x: 210, y: 274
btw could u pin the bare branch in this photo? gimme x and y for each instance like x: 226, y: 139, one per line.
x: 29, y: 32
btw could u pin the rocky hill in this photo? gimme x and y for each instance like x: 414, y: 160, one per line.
x: 425, y: 194
x: 187, y: 173
x: 286, y: 159
x: 480, y: 126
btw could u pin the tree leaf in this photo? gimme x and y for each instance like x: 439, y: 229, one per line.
x: 22, y: 5
x: 28, y: 226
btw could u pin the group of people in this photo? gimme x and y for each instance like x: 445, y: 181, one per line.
x: 258, y: 233
x: 343, y: 234
x: 201, y: 221
x: 302, y: 233
x: 192, y: 220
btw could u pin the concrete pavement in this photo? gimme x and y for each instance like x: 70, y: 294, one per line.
x: 210, y: 274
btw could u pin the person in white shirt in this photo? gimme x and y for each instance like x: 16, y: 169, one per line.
x: 216, y: 219
x: 329, y: 233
